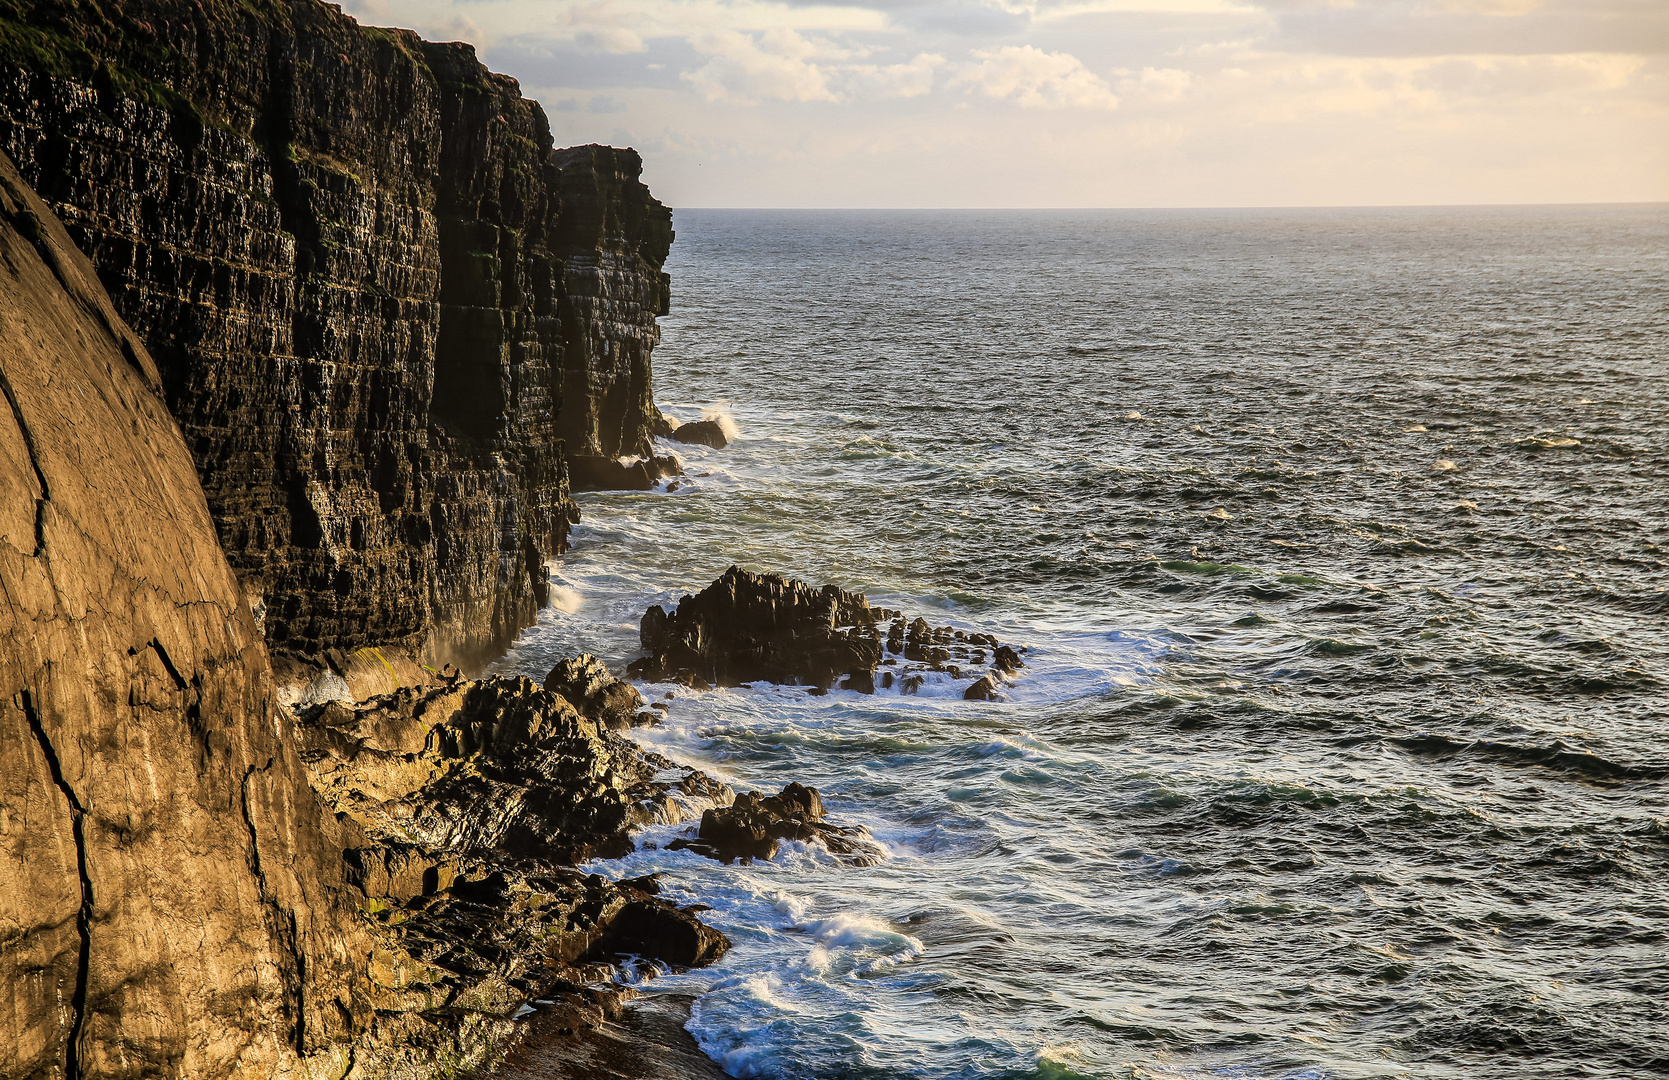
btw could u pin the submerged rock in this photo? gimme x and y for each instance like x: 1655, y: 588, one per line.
x: 703, y: 433
x: 748, y: 627
x: 753, y: 827
x: 614, y: 474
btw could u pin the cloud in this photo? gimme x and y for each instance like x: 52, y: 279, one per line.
x: 907, y: 80
x: 1096, y: 102
x: 1272, y: 89
x: 781, y: 65
x: 1469, y: 27
x: 614, y: 40
x: 778, y: 64
x: 964, y: 20
x: 1158, y: 84
x: 961, y: 18
x: 1034, y: 79
x: 543, y: 63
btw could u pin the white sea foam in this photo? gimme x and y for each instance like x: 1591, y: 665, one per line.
x: 720, y: 415
x: 565, y: 600
x: 857, y: 944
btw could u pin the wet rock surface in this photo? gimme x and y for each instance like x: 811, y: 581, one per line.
x: 701, y: 433
x: 587, y: 682
x: 750, y: 627
x: 468, y: 804
x: 639, y: 1039
x: 612, y: 474
x: 498, y: 766
x: 391, y: 318
x: 754, y: 827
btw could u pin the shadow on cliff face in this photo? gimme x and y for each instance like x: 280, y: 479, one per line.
x: 181, y: 894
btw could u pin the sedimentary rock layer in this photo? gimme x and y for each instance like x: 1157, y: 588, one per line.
x: 379, y: 298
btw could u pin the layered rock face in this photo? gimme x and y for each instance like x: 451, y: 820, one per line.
x: 171, y: 898
x: 379, y: 298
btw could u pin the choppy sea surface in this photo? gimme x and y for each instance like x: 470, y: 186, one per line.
x: 1340, y: 540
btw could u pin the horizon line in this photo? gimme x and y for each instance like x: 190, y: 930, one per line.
x: 1243, y: 206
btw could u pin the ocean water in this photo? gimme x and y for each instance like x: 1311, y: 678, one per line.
x: 1340, y: 541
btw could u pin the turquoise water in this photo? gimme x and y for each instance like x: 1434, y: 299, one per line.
x: 1338, y: 538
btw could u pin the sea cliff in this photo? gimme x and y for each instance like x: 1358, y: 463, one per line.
x: 390, y: 317
x: 306, y: 327
x: 197, y: 880
x: 171, y: 897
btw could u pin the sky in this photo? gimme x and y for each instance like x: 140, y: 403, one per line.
x: 1093, y: 103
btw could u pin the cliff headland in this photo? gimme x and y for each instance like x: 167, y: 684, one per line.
x: 391, y: 318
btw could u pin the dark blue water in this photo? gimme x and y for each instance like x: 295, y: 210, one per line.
x: 1339, y: 540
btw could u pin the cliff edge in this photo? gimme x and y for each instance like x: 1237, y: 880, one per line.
x: 389, y: 315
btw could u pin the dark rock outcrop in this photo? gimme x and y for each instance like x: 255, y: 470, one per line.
x: 587, y: 682
x: 702, y: 433
x: 753, y: 827
x: 617, y: 474
x: 663, y: 425
x: 497, y: 766
x: 644, y: 1038
x: 748, y: 627
x: 172, y: 900
x: 380, y: 300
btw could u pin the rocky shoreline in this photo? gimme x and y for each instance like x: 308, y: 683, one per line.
x: 211, y: 865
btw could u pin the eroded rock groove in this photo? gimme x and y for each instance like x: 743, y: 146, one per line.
x: 83, y: 917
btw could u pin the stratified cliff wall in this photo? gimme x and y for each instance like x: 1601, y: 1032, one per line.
x: 379, y: 299
x: 170, y: 900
